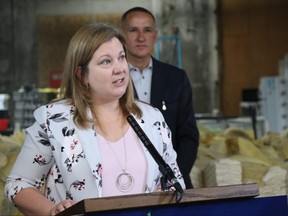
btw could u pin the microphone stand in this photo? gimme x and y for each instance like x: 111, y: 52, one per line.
x: 164, y: 168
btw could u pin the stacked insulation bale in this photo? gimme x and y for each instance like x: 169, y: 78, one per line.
x: 233, y: 156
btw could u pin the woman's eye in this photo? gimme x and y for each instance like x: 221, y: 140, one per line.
x: 122, y: 57
x: 106, y: 62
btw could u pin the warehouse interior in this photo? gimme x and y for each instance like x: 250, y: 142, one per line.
x: 235, y: 54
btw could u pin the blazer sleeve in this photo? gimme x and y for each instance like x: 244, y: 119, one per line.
x: 171, y: 84
x: 187, y: 134
x: 34, y: 160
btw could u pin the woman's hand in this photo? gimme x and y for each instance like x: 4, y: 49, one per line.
x: 61, y: 207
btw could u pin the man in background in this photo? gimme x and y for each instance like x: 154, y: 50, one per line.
x: 162, y: 85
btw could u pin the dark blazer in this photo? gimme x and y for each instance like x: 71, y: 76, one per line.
x: 171, y: 86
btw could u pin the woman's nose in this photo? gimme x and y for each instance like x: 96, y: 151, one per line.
x: 120, y: 66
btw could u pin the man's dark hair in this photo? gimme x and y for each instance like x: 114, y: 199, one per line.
x: 136, y: 9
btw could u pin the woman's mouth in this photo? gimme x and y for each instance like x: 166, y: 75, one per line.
x: 118, y: 81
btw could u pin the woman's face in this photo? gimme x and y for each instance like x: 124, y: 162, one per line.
x: 108, y: 74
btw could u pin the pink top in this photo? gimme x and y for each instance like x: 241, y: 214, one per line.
x: 113, y: 164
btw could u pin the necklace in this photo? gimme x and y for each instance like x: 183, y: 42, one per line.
x: 124, y: 181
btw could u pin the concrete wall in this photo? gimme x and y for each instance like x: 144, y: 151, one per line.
x: 17, y: 46
x: 195, y: 19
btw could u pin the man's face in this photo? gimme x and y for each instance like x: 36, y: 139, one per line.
x: 141, y: 34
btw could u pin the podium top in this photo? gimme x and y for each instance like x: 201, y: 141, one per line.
x: 161, y: 198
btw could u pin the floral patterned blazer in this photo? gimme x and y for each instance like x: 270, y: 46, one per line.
x: 66, y: 160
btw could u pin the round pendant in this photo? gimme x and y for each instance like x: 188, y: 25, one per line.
x: 124, y: 182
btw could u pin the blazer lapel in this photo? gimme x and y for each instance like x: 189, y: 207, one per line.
x: 88, y: 140
x: 152, y: 165
x: 158, y: 82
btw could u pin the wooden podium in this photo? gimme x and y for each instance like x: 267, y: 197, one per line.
x: 223, y: 200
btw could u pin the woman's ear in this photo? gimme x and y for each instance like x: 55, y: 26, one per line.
x: 78, y: 73
x: 81, y: 78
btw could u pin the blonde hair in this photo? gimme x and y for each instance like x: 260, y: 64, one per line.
x: 80, y: 51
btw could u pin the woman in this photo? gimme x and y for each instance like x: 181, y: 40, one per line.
x: 82, y: 146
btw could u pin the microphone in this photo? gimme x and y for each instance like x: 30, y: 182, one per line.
x: 164, y: 168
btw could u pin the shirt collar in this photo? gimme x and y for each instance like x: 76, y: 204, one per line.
x: 132, y: 68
